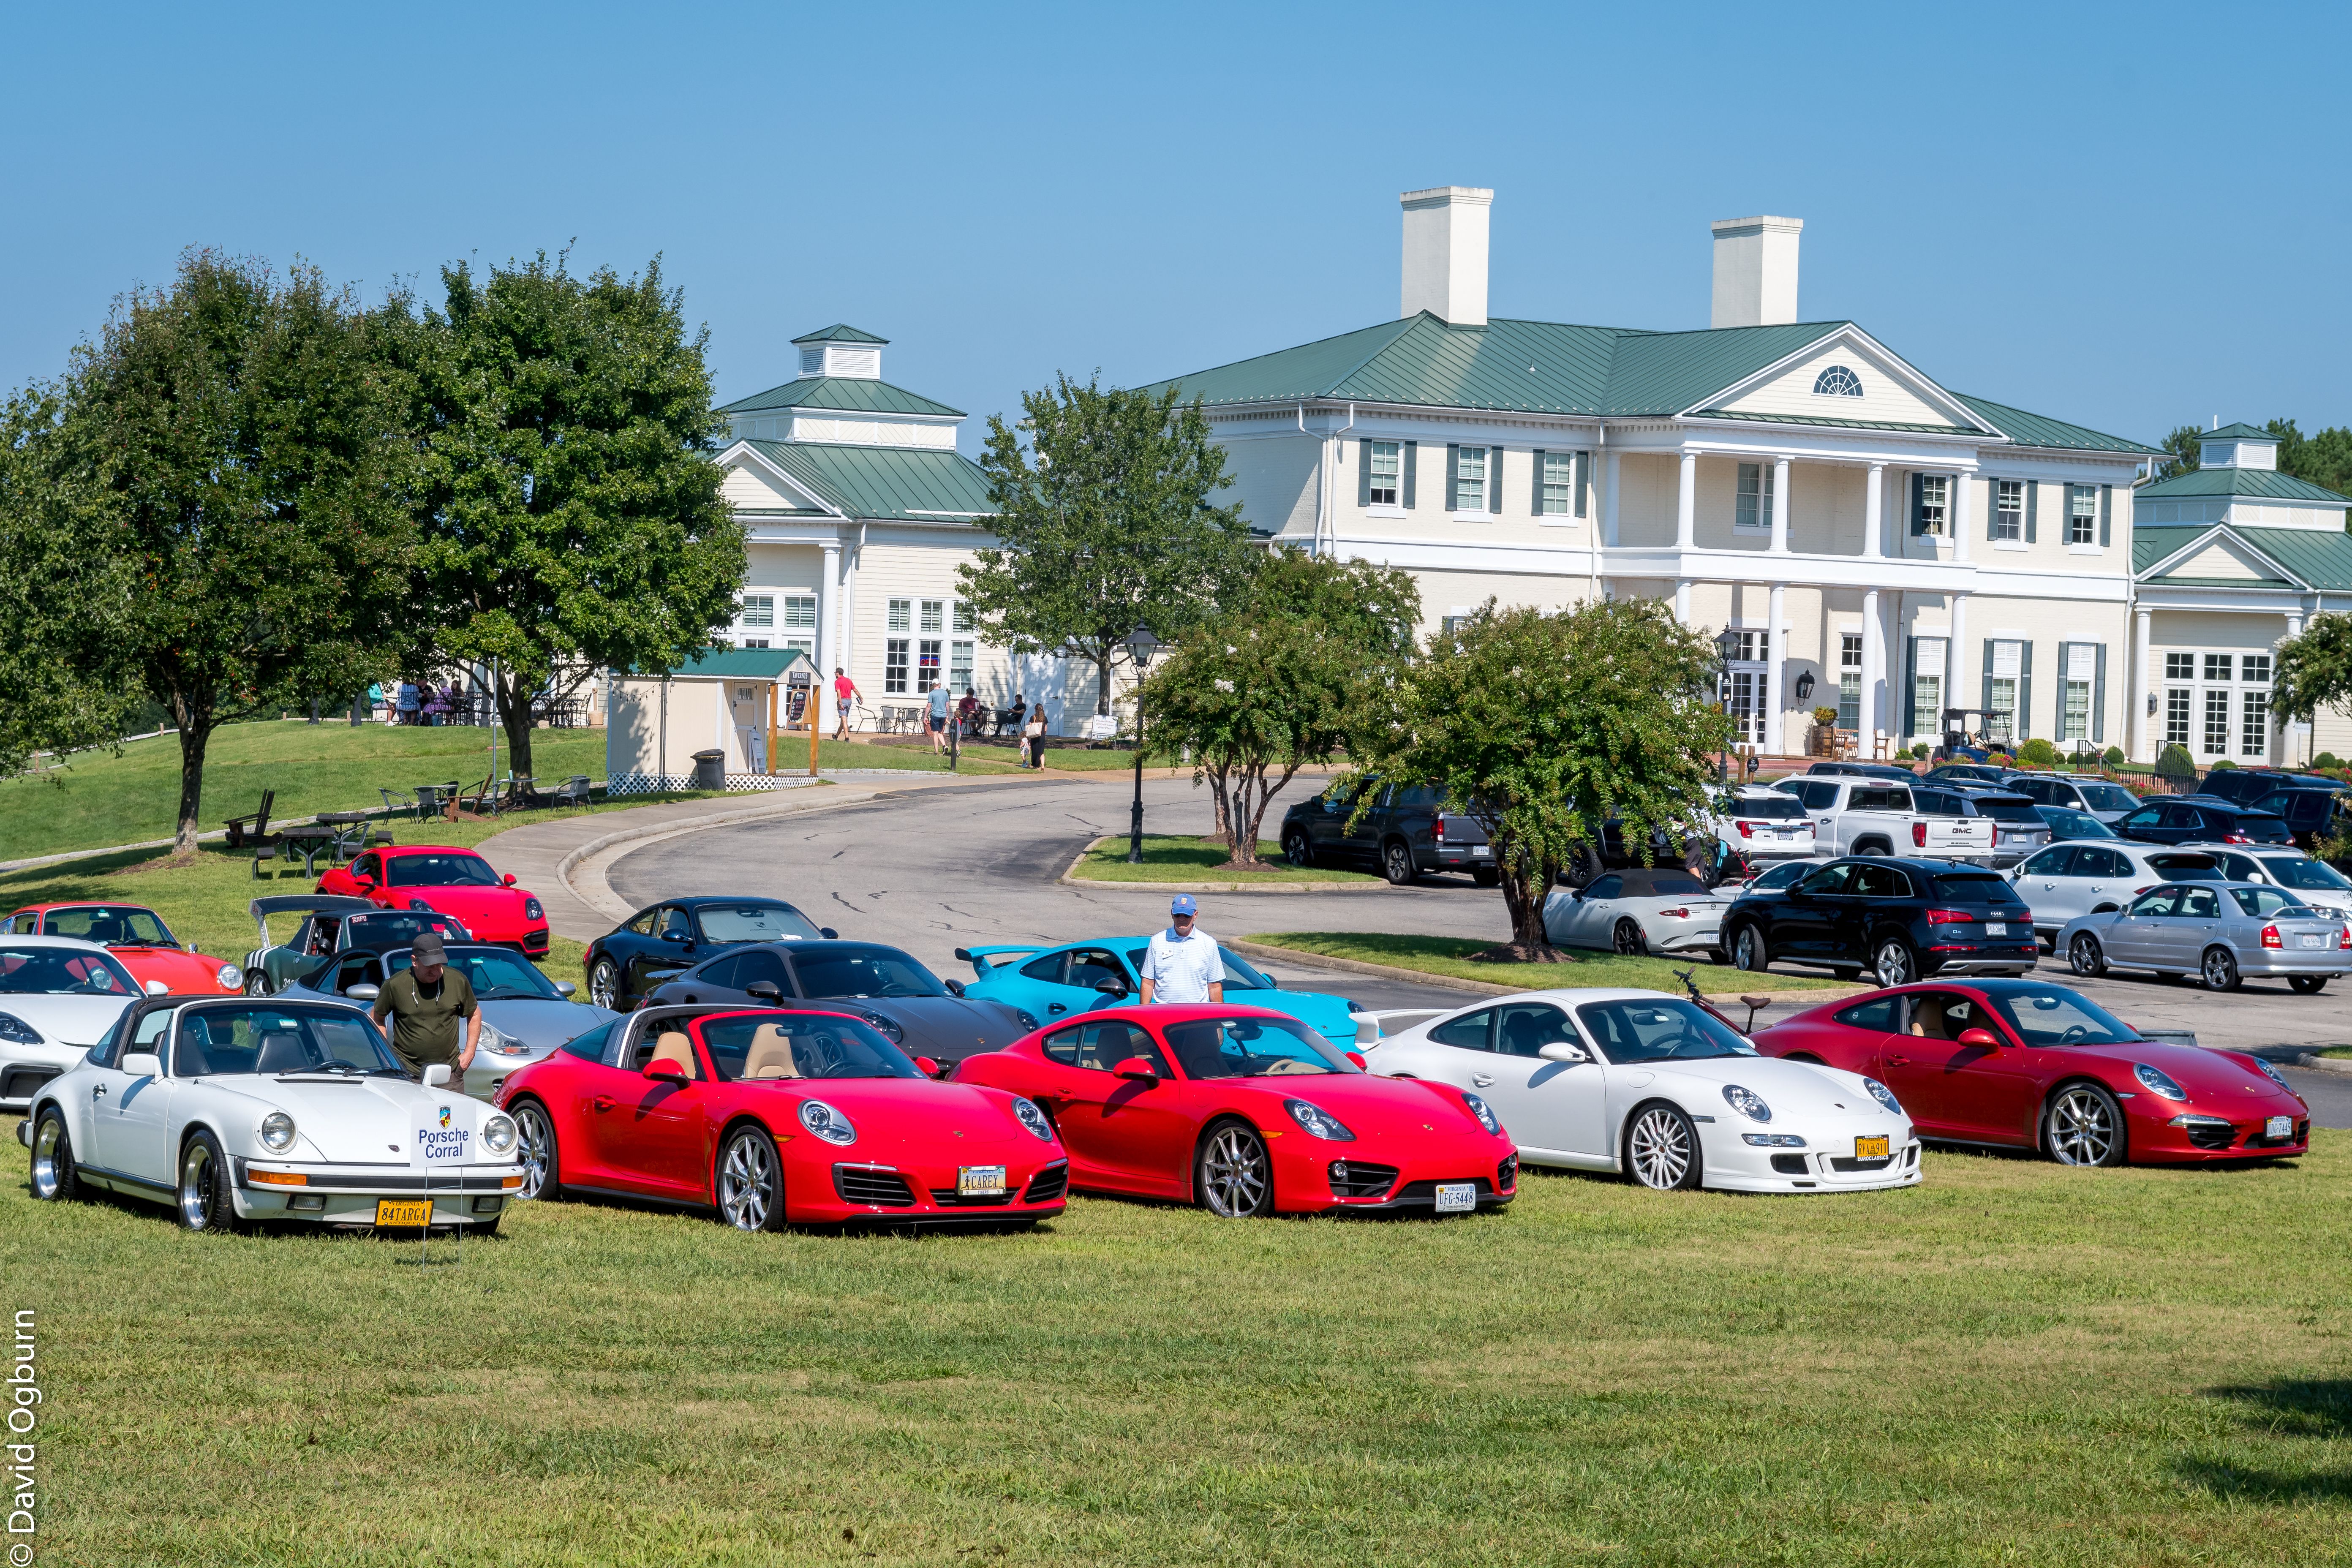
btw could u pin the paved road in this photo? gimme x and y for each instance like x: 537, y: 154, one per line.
x: 2328, y: 1094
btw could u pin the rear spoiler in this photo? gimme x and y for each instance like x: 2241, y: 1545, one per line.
x: 977, y: 956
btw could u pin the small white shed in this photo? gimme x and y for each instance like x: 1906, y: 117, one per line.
x: 730, y: 700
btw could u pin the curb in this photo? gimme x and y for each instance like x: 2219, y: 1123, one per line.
x: 572, y: 857
x: 1070, y: 878
x: 1481, y: 988
x: 2325, y: 1064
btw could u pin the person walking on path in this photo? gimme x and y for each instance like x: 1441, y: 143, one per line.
x: 1033, y: 737
x: 844, y: 692
x: 1183, y: 963
x: 435, y: 1017
x: 939, y: 703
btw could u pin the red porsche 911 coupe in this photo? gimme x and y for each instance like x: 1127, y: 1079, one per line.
x: 452, y: 881
x: 777, y: 1116
x: 2025, y: 1063
x: 1247, y: 1112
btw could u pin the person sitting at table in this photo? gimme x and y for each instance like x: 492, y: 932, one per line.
x: 968, y: 713
x: 409, y: 702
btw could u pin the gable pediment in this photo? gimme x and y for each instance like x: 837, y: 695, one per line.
x: 2220, y: 557
x: 753, y: 484
x: 1846, y: 377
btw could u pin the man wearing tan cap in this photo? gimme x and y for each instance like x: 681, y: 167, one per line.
x: 425, y: 1003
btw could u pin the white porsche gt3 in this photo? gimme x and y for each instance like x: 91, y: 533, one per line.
x: 58, y: 996
x: 1664, y: 911
x: 1660, y: 1089
x: 240, y: 1108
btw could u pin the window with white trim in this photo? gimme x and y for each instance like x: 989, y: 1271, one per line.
x: 2217, y: 723
x: 1935, y: 503
x: 754, y: 615
x: 894, y: 667
x: 959, y: 666
x: 1752, y: 511
x: 1470, y: 479
x: 2217, y: 667
x: 1927, y: 687
x: 2175, y: 716
x: 935, y: 614
x: 2082, y: 514
x: 1837, y: 381
x: 1387, y: 464
x: 902, y: 615
x: 2254, y: 725
x: 2255, y: 668
x: 2074, y: 691
x: 2009, y: 509
x: 800, y: 622
x: 1849, y: 704
x: 2001, y: 691
x: 963, y: 621
x: 926, y: 663
x: 1559, y: 483
x: 2180, y: 667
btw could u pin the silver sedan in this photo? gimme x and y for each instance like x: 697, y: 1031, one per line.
x: 2219, y: 932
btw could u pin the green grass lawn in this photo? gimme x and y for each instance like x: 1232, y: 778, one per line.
x: 1451, y: 955
x: 1185, y: 859
x: 2013, y: 1363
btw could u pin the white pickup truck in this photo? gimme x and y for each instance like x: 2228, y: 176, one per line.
x: 1877, y: 816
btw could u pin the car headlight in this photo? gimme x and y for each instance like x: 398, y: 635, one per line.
x: 278, y: 1131
x: 1748, y: 1102
x: 1028, y: 1019
x: 1026, y: 1112
x: 1483, y: 1113
x: 1883, y: 1095
x: 2272, y: 1073
x: 497, y: 1042
x: 2157, y: 1083
x: 17, y: 1032
x: 890, y: 1027
x: 1319, y: 1121
x: 1773, y: 1139
x: 229, y: 977
x: 531, y: 909
x: 420, y: 906
x: 826, y: 1122
x: 499, y: 1134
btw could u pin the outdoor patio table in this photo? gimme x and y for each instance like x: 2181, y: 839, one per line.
x: 309, y: 837
x: 343, y: 822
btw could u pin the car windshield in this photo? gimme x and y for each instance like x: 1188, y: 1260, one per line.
x: 2108, y: 798
x: 1251, y: 1048
x: 2316, y: 875
x: 2187, y: 868
x: 2008, y: 808
x: 756, y: 922
x: 233, y: 1041
x: 1975, y: 888
x: 112, y: 925
x: 435, y: 870
x: 2264, y: 902
x: 2069, y: 824
x: 786, y: 1046
x: 1767, y: 808
x: 1653, y: 1031
x: 2055, y: 1017
x: 1781, y: 876
x: 62, y: 972
x: 864, y: 970
x: 397, y: 928
x: 495, y: 974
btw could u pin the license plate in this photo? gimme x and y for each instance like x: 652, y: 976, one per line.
x: 1872, y: 1148
x: 985, y: 1181
x: 403, y: 1211
x: 1481, y: 850
x: 2279, y: 1127
x: 2314, y: 942
x: 1456, y: 1197
x: 1996, y: 928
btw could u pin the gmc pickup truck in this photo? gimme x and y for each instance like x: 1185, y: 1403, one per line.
x: 1878, y: 817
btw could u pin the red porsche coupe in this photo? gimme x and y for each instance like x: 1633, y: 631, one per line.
x: 2025, y: 1063
x: 1247, y: 1112
x: 453, y: 882
x: 137, y: 936
x: 776, y: 1116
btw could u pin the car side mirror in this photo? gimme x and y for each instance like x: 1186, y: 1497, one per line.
x: 667, y: 1071
x: 1138, y: 1068
x: 954, y: 987
x: 1111, y: 987
x: 1358, y: 1057
x: 363, y: 991
x: 565, y: 989
x: 156, y: 988
x: 1576, y: 895
x: 765, y: 990
x: 142, y: 1064
x: 828, y: 933
x: 929, y: 1068
x: 507, y: 880
x: 673, y: 936
x: 436, y: 1075
x: 1563, y: 1051
x: 1980, y: 1037
x: 361, y: 879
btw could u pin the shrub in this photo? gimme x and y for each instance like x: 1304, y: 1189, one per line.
x: 2175, y: 764
x: 1920, y: 751
x: 2038, y: 751
x: 2113, y: 756
x: 2326, y: 760
x: 2224, y: 763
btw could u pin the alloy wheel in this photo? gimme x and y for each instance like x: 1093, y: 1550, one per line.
x: 1234, y: 1173
x: 1294, y: 848
x: 1748, y: 952
x: 747, y: 1182
x: 1628, y: 940
x: 604, y: 984
x: 2219, y: 970
x: 1894, y: 967
x: 537, y: 1137
x: 2084, y: 956
x: 256, y: 983
x: 197, y: 1188
x: 1660, y: 1145
x: 1397, y: 859
x: 52, y: 1158
x: 2081, y: 1128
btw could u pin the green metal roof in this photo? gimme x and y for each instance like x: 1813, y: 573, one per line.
x: 2254, y: 484
x: 849, y: 394
x: 2038, y: 430
x: 738, y: 663
x: 885, y: 482
x: 2319, y: 559
x: 839, y: 332
x: 2237, y: 431
x: 1845, y: 424
x: 1660, y: 373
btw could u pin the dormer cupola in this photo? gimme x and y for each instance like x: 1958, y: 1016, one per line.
x: 2237, y: 446
x: 841, y: 350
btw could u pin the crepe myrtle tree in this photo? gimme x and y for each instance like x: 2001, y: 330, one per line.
x: 2314, y: 668
x: 1254, y: 693
x: 1542, y: 727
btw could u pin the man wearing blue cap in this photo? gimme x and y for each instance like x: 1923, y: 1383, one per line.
x: 1183, y: 963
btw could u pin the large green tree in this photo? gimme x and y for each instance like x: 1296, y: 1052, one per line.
x: 1105, y: 522
x: 2186, y: 443
x: 1543, y: 727
x: 230, y: 450
x: 569, y: 513
x: 1269, y: 685
x: 2314, y: 668
x: 2324, y: 458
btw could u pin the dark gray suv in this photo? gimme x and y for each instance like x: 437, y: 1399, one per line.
x: 1406, y: 833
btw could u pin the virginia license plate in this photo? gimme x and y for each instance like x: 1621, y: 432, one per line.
x: 1872, y: 1148
x: 2314, y: 942
x: 1996, y: 928
x: 980, y: 1180
x: 1456, y: 1197
x: 2279, y: 1127
x: 403, y: 1211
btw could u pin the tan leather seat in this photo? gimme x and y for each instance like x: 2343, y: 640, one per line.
x: 771, y: 1055
x: 672, y: 1049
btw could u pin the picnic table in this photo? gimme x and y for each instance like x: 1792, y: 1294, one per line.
x: 350, y: 833
x: 307, y: 838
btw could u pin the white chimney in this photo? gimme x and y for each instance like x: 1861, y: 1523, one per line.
x: 1756, y: 271
x: 1445, y: 253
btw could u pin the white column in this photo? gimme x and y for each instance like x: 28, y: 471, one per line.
x: 1962, y: 526
x: 1609, y: 501
x: 1777, y: 657
x: 1780, y: 507
x: 1874, y: 656
x: 2143, y: 687
x: 847, y: 618
x: 1687, y: 504
x: 1956, y: 661
x: 828, y: 619
x: 1682, y: 601
x: 1873, y: 514
x: 2291, y: 730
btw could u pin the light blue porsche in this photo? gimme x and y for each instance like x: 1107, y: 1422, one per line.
x: 1081, y: 976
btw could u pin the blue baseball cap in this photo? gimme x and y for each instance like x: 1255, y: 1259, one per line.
x: 1182, y: 904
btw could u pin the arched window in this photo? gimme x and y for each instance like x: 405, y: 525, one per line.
x: 1837, y: 381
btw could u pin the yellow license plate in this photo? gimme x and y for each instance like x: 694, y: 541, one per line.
x: 403, y: 1211
x: 1871, y: 1148
x: 980, y: 1180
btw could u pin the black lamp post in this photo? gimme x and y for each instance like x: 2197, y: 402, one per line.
x: 1727, y: 647
x: 1141, y: 646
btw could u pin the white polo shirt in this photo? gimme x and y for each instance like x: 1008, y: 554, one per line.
x: 1183, y: 968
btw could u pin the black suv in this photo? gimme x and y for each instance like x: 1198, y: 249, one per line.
x: 2244, y: 786
x: 1406, y: 833
x: 2310, y: 814
x: 2197, y: 819
x: 1899, y: 920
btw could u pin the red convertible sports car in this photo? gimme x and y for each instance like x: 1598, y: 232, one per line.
x: 1249, y: 1112
x: 455, y: 882
x: 138, y: 937
x: 2026, y: 1064
x: 776, y: 1116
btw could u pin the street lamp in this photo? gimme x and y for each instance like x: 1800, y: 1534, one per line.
x: 1141, y: 646
x: 1727, y: 649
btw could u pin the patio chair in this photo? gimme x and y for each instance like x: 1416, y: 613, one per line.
x: 399, y: 800
x: 254, y: 829
x: 573, y: 791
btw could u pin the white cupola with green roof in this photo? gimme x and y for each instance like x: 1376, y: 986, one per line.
x: 2237, y: 481
x: 839, y: 398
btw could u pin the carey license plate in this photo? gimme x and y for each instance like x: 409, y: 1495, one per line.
x: 1872, y: 1148
x: 980, y: 1180
x: 1456, y: 1197
x: 403, y: 1211
x: 2279, y: 1127
x: 1996, y: 928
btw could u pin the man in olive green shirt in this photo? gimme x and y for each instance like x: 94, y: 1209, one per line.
x: 425, y: 1003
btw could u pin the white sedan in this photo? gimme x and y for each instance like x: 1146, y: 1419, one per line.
x: 241, y: 1108
x: 58, y: 996
x: 1665, y: 911
x: 1660, y: 1089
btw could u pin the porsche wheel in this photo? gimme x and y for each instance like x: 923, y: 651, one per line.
x: 535, y: 1148
x: 54, y: 1179
x: 2084, y: 1126
x: 1627, y: 939
x: 2219, y: 970
x: 1232, y: 1173
x: 1661, y: 1150
x: 604, y: 984
x: 2084, y: 956
x: 750, y: 1180
x: 1296, y: 849
x: 2307, y: 984
x: 205, y: 1202
x: 257, y: 983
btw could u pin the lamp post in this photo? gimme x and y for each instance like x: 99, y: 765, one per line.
x: 1141, y: 646
x: 1726, y: 646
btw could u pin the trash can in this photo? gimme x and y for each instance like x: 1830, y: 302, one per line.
x: 710, y: 770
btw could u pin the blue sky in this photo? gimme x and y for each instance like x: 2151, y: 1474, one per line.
x: 2128, y: 217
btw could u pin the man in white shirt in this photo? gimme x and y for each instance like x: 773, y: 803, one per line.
x: 1182, y: 964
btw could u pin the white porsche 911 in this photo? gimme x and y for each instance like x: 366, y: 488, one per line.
x: 1660, y: 1089
x: 240, y: 1109
x: 58, y: 996
x: 1664, y: 911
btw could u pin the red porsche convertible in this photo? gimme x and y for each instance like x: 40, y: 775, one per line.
x: 453, y: 881
x: 2026, y: 1064
x: 137, y: 936
x: 1249, y: 1112
x: 776, y: 1116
